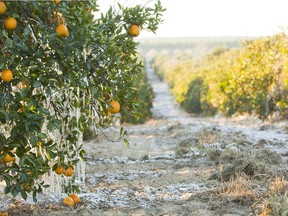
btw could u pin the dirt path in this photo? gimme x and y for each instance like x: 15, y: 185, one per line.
x: 172, y: 165
x: 163, y: 104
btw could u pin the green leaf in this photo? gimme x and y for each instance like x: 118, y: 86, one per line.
x: 23, y: 48
x: 82, y: 153
x: 50, y: 154
x: 34, y: 195
x: 42, y: 136
x: 24, y: 92
x: 8, y: 179
x: 14, y: 191
x: 126, y: 143
x: 24, y: 195
x: 37, y: 84
x: 7, y: 189
x: 27, y: 30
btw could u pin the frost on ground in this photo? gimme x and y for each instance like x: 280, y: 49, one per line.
x: 179, y: 165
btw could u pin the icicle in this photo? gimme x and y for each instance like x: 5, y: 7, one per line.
x: 55, y: 181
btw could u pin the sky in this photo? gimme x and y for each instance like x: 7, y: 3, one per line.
x: 184, y: 18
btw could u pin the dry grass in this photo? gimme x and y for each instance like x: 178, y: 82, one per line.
x: 266, y: 210
x: 277, y: 197
x: 246, y: 174
x: 185, y: 146
x: 208, y: 136
x: 258, y: 165
x: 267, y: 156
x: 214, y: 154
x: 263, y: 199
x: 228, y: 155
x: 274, y: 202
x: 274, y: 205
x: 239, y: 187
x: 278, y: 185
x: 246, y: 179
x: 233, y: 197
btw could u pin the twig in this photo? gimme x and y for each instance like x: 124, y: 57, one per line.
x: 120, y: 138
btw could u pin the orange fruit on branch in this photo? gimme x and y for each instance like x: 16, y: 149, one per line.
x: 2, y: 8
x: 69, y: 171
x: 10, y: 23
x: 134, y: 30
x: 75, y: 198
x: 59, y: 170
x: 115, y: 107
x: 57, y: 1
x: 68, y: 201
x: 6, y: 75
x: 62, y: 30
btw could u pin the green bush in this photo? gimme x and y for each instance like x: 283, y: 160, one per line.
x: 192, y: 101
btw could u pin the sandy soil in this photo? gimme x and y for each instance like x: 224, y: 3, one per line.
x: 176, y: 164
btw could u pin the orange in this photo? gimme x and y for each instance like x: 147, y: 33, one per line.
x: 57, y: 1
x: 134, y: 30
x: 2, y: 8
x: 69, y: 171
x: 68, y: 201
x: 59, y: 170
x: 75, y: 198
x: 62, y: 30
x: 10, y: 23
x: 4, y: 213
x: 6, y: 75
x: 7, y: 158
x: 115, y: 107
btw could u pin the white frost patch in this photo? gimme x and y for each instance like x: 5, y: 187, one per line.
x: 143, y: 196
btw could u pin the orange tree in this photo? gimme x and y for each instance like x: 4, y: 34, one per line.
x: 252, y: 79
x: 61, y: 67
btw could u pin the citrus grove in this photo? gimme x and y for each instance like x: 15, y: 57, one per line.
x: 250, y: 79
x: 65, y: 67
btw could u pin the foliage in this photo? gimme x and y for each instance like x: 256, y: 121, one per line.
x: 59, y: 83
x: 192, y: 100
x: 250, y: 79
x: 143, y: 99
